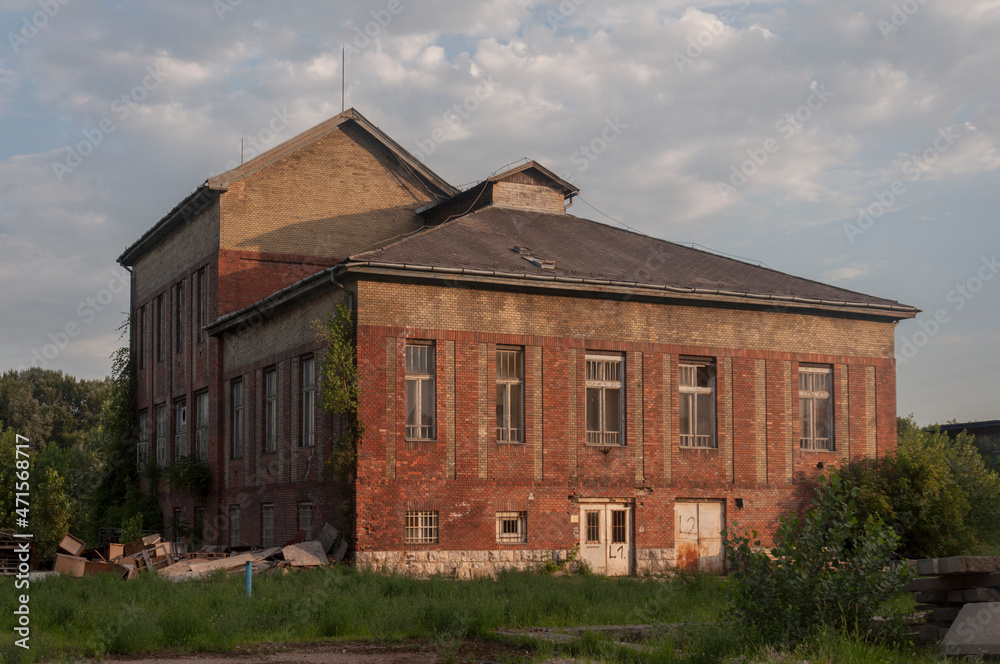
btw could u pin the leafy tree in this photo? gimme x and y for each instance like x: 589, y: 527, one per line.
x: 49, y: 508
x: 116, y: 497
x: 938, y: 494
x: 828, y: 568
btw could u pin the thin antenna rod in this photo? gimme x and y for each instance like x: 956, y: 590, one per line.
x: 241, y: 148
x: 343, y: 78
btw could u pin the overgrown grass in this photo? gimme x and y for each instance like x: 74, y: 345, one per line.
x: 101, y: 615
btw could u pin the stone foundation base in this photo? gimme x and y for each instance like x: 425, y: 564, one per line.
x: 471, y: 564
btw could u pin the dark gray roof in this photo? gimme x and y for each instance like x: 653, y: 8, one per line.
x: 588, y: 252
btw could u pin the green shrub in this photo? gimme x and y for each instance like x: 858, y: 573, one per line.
x: 938, y: 494
x: 828, y: 568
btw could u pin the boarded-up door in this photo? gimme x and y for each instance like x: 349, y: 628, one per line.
x: 606, y: 537
x: 698, y: 537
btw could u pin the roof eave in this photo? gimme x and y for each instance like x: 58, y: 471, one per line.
x: 192, y: 205
x: 898, y: 312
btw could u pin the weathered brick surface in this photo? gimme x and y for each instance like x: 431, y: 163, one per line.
x: 528, y: 196
x: 758, y: 459
x: 693, y: 327
x: 342, y: 195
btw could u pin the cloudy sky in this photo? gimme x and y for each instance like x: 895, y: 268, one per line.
x: 849, y: 142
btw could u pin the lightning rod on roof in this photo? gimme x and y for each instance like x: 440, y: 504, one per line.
x: 343, y: 78
x: 241, y: 149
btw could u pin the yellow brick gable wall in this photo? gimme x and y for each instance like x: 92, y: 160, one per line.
x: 194, y: 242
x: 334, y: 197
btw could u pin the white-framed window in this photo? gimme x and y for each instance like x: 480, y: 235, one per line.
x: 234, y: 525
x: 512, y: 527
x: 267, y: 525
x: 605, y: 400
x: 510, y: 395
x: 421, y: 412
x: 306, y: 518
x: 161, y: 435
x: 308, y: 402
x: 421, y: 527
x: 142, y: 449
x: 180, y: 429
x: 816, y: 408
x: 201, y: 426
x: 236, y: 431
x: 270, y: 410
x: 697, y: 407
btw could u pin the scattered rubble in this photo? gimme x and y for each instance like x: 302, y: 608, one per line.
x: 174, y: 561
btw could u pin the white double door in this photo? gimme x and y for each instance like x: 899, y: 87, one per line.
x: 698, y: 536
x: 606, y: 537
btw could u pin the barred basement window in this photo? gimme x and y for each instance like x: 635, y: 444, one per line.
x: 180, y: 429
x: 267, y: 525
x: 201, y: 426
x: 815, y: 408
x: 270, y: 410
x: 604, y: 400
x: 421, y: 527
x: 697, y: 397
x: 234, y: 525
x: 420, y: 405
x: 306, y: 518
x: 308, y: 402
x: 142, y: 449
x: 593, y: 526
x: 236, y: 432
x: 512, y: 527
x: 510, y: 395
x: 161, y: 436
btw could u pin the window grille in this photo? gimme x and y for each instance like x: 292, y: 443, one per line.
x: 510, y: 396
x: 421, y: 411
x: 421, y: 527
x: 697, y: 405
x: 593, y: 526
x: 815, y: 408
x: 180, y: 430
x: 512, y: 527
x: 604, y: 400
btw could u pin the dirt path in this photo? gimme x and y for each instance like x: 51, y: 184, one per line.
x: 347, y: 652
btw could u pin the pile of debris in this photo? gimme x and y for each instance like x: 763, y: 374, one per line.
x: 172, y: 560
x: 962, y: 598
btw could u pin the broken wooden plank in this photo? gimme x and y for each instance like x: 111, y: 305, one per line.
x: 176, y: 568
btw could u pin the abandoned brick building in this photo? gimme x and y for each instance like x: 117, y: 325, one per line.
x: 530, y: 381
